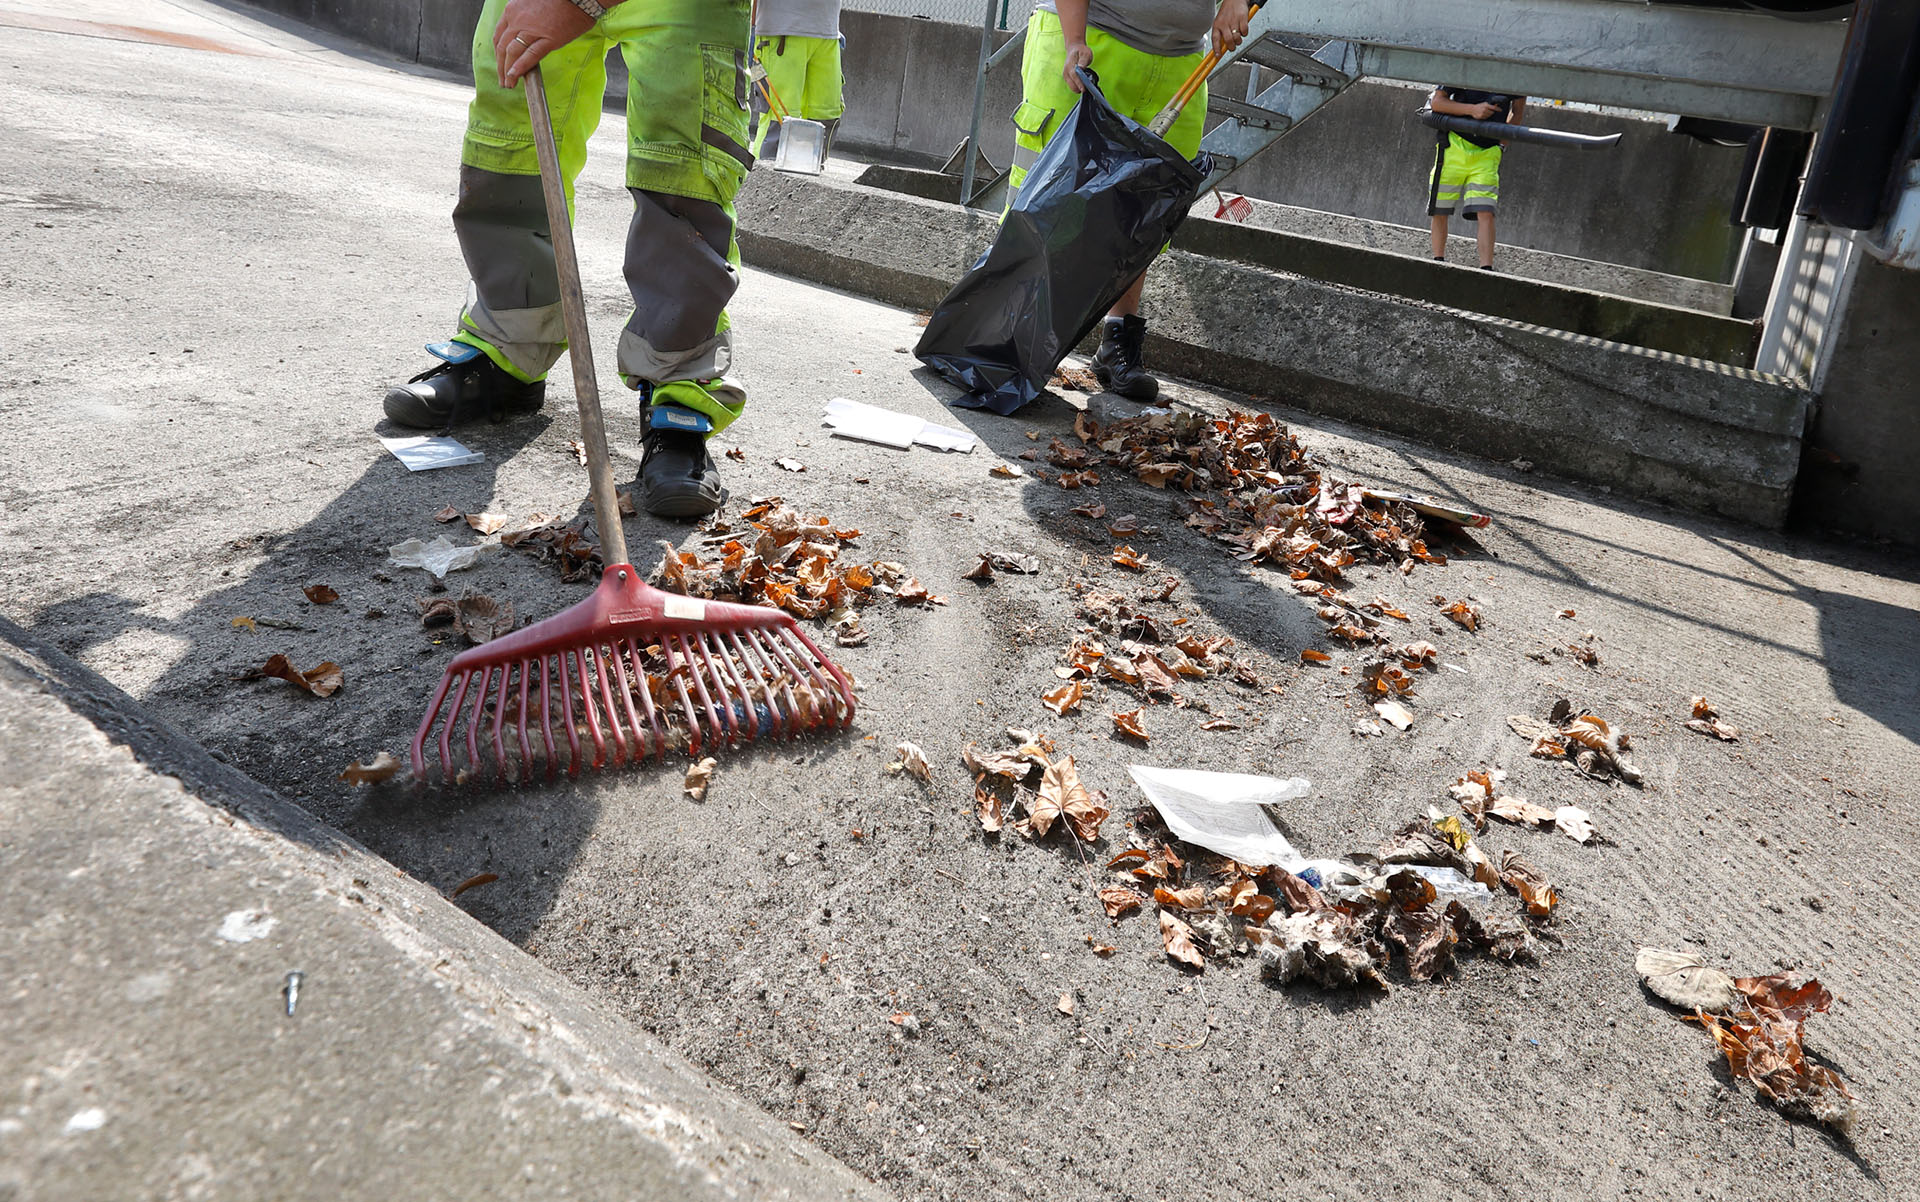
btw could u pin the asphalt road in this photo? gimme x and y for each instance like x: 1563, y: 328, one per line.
x: 214, y: 256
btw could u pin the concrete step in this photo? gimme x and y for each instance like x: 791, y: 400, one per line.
x: 1651, y: 424
x: 156, y: 901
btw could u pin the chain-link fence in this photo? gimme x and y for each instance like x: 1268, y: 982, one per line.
x: 1008, y: 14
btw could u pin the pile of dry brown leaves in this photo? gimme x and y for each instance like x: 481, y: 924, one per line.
x: 1211, y: 907
x: 1760, y: 1024
x: 791, y: 563
x: 1255, y: 489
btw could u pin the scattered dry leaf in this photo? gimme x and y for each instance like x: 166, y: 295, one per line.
x: 699, y: 776
x: 787, y: 464
x: 488, y: 523
x: 1193, y: 897
x: 1681, y: 978
x: 320, y: 594
x: 1118, y: 900
x: 912, y: 761
x: 323, y: 680
x: 1312, y: 656
x: 448, y: 513
x: 1394, y: 712
x: 381, y: 767
x: 246, y: 624
x: 1574, y: 823
x: 1706, y: 721
x: 1219, y: 724
x: 474, y: 882
x: 1176, y: 938
x: 1006, y: 471
x: 1128, y: 724
x: 1529, y: 882
x: 1065, y: 699
x: 1763, y: 1042
x: 1065, y: 1004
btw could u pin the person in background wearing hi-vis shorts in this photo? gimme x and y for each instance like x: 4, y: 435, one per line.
x: 798, y: 42
x: 688, y: 119
x: 1142, y: 51
x: 1466, y: 170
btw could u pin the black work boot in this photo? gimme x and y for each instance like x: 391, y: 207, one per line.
x: 464, y: 386
x: 1117, y: 363
x: 677, y: 476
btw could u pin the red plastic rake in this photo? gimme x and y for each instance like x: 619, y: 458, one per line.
x: 631, y: 671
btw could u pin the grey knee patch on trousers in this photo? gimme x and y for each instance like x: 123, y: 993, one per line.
x: 680, y: 278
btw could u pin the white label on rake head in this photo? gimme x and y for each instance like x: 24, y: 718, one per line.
x: 684, y: 607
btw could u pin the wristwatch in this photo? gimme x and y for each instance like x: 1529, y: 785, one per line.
x: 590, y: 7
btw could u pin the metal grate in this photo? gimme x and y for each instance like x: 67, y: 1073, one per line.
x: 1008, y: 14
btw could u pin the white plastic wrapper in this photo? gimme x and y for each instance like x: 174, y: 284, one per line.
x: 870, y: 423
x: 423, y: 453
x: 439, y: 556
x: 1221, y: 812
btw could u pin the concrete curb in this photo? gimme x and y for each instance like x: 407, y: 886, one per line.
x: 157, y: 900
x: 1655, y: 425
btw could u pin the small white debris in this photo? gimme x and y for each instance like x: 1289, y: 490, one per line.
x: 244, y: 926
x: 91, y: 1119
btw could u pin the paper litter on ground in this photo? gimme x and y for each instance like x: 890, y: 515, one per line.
x: 439, y: 556
x: 422, y: 453
x: 1221, y: 812
x: 870, y: 423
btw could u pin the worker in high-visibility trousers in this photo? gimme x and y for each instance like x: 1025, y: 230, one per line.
x: 688, y: 122
x: 799, y: 43
x: 1142, y: 50
x: 1466, y: 167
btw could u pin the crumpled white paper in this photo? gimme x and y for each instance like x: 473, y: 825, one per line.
x: 424, y: 453
x: 870, y: 423
x: 439, y: 556
x: 1221, y: 812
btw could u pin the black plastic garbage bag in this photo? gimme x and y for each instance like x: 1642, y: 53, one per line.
x: 1098, y: 205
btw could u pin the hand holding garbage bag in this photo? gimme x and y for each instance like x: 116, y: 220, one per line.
x: 1096, y: 207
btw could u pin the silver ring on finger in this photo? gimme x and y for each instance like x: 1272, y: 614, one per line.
x: 522, y: 41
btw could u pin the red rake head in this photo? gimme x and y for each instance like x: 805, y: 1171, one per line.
x: 636, y: 668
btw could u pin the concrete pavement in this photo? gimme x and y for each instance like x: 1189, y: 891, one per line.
x: 159, y: 903
x: 212, y: 263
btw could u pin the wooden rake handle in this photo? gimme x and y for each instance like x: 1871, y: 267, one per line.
x: 573, y: 307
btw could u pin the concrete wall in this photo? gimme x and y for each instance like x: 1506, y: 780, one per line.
x: 1859, y: 474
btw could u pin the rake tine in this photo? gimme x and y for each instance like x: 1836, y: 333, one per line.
x: 813, y: 703
x: 840, y: 687
x: 677, y: 672
x: 426, y: 724
x: 637, y: 660
x: 722, y: 729
x: 520, y: 727
x: 500, y: 718
x: 446, y: 729
x: 722, y: 699
x: 562, y: 664
x: 598, y: 655
x: 742, y: 658
x: 473, y: 720
x: 796, y: 721
x: 546, y: 717
x: 626, y: 699
x: 586, y: 703
x: 723, y: 663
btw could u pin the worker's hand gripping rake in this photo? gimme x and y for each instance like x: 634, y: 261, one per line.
x: 631, y: 671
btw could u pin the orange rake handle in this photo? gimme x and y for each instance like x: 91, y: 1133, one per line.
x: 1164, y: 119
